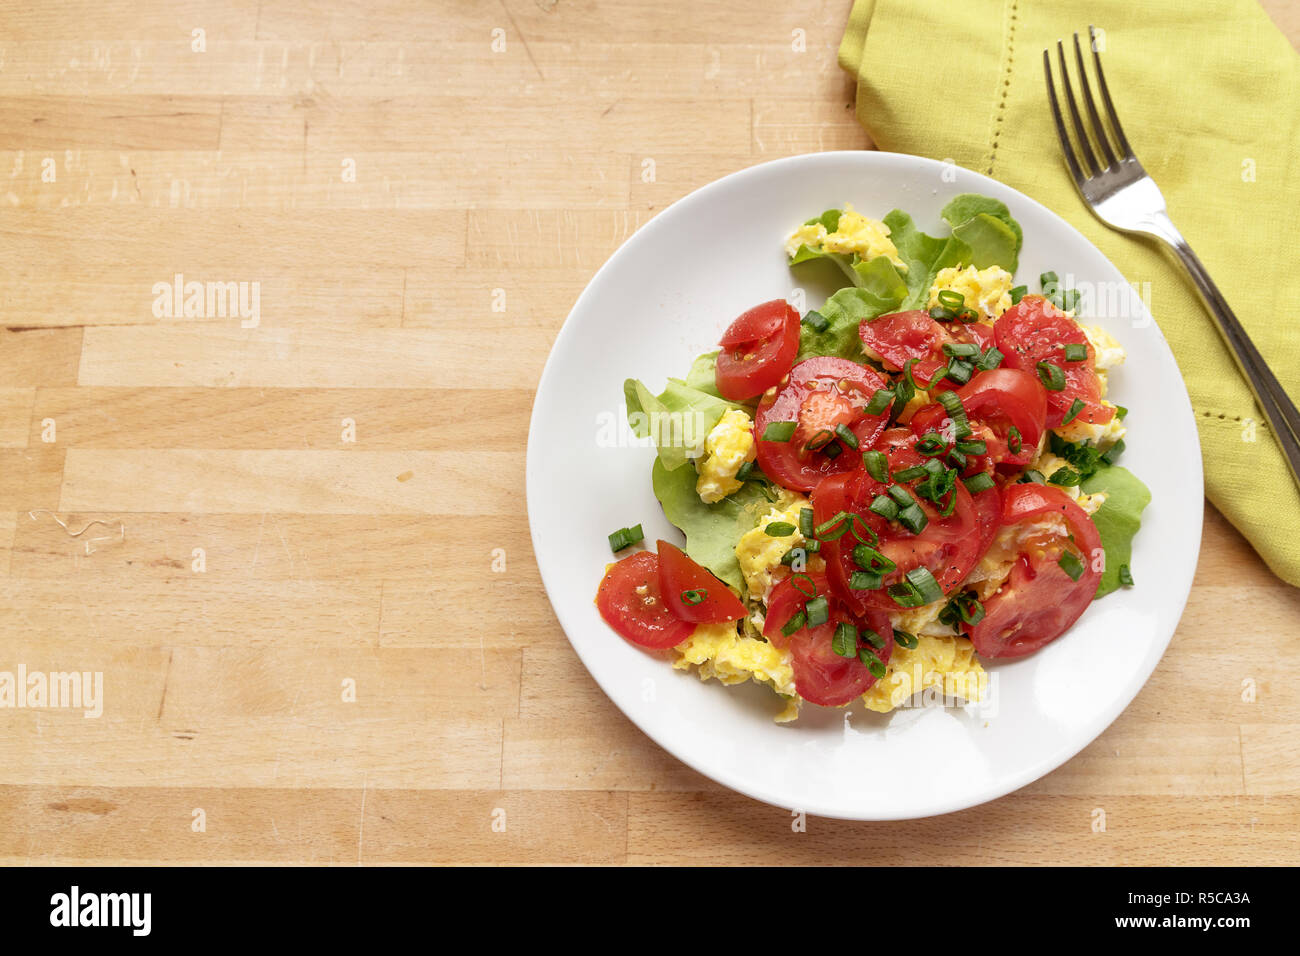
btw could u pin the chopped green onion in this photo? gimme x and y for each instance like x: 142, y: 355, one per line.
x: 967, y: 316
x: 1120, y: 412
x: 818, y: 611
x: 1076, y: 352
x: 865, y: 581
x: 694, y: 597
x: 869, y: 559
x: 874, y: 663
x: 977, y: 447
x: 1051, y: 376
x: 1112, y: 453
x: 905, y: 594
x: 846, y: 435
x: 845, y: 641
x: 980, y: 481
x: 744, y: 472
x: 872, y: 638
x: 907, y: 474
x: 933, y: 467
x: 1125, y: 576
x: 816, y: 321
x: 832, y: 450
x: 779, y: 431
x: 951, y: 299
x: 903, y: 639
x: 795, y: 556
x: 780, y: 529
x: 797, y: 621
x: 623, y: 537
x: 1071, y: 565
x: 904, y: 392
x: 820, y: 440
x: 961, y: 349
x: 884, y: 506
x: 879, y: 401
x: 901, y: 494
x: 1048, y: 281
x: 1065, y: 477
x: 991, y: 359
x: 877, y: 465
x: 913, y: 518
x: 924, y: 582
x: 956, y: 411
x: 797, y: 581
x: 1018, y: 293
x: 1014, y: 440
x: 823, y: 529
x: 1076, y: 407
x: 930, y: 445
x: 957, y: 459
x: 806, y: 525
x: 941, y: 314
x: 1036, y: 477
x: 959, y: 371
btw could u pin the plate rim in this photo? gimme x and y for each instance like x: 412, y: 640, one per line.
x: 1003, y: 785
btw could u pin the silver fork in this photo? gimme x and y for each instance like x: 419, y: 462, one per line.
x: 1125, y: 197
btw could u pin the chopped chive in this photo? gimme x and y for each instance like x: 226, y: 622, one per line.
x: 879, y: 401
x: 956, y: 411
x: 780, y: 529
x: 904, y: 392
x: 925, y: 584
x: 779, y: 431
x: 933, y: 467
x: 845, y: 641
x: 1014, y: 440
x: 941, y: 314
x: 869, y: 559
x: 907, y: 474
x: 903, y: 639
x: 884, y: 506
x: 816, y: 321
x: 865, y: 581
x: 874, y: 663
x: 956, y: 459
x: 1051, y: 376
x: 1018, y: 293
x: 818, y: 611
x: 980, y: 481
x: 623, y: 537
x: 1036, y: 477
x: 1076, y: 352
x: 795, y: 622
x: 977, y: 447
x: 913, y: 518
x: 905, y: 594
x: 872, y: 638
x: 1125, y: 576
x: 877, y: 465
x: 694, y: 597
x: 901, y: 494
x: 959, y: 371
x: 951, y: 299
x: 930, y: 445
x: 846, y: 436
x: 1071, y: 565
x: 1076, y: 407
x: 961, y: 349
x: 1112, y: 453
x: 806, y: 524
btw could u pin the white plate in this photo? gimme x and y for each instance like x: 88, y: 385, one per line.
x: 665, y: 297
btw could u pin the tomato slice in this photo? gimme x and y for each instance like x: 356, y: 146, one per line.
x: 757, y: 350
x: 995, y: 402
x: 822, y: 393
x: 680, y: 576
x: 1034, y: 331
x: 1039, y: 601
x: 904, y: 335
x: 630, y: 602
x: 820, y: 675
x: 947, y: 546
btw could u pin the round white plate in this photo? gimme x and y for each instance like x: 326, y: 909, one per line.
x: 664, y: 298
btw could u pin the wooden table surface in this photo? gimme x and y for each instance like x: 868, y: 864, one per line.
x: 327, y: 650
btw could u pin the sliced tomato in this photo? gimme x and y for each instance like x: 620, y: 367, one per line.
x: 1034, y: 331
x: 904, y: 335
x: 630, y: 601
x: 947, y: 546
x: 1039, y: 600
x: 691, y: 591
x: 757, y: 350
x: 822, y: 676
x: 988, y: 518
x: 822, y: 393
x: 995, y: 402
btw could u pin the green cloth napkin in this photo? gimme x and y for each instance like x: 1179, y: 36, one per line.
x: 1209, y: 94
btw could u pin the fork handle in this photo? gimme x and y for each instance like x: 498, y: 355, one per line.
x: 1278, y: 408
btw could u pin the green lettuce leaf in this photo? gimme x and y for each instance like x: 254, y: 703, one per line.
x: 711, y: 530
x: 968, y: 207
x: 1118, y: 518
x: 925, y: 256
x: 703, y: 374
x: 678, y: 419
x: 883, y: 290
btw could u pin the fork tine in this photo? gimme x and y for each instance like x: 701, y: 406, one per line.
x: 1061, y: 133
x: 1085, y: 149
x: 1098, y: 130
x: 1105, y: 96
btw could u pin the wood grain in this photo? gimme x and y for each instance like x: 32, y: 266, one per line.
x: 305, y: 573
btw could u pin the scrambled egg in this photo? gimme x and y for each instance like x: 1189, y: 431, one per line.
x: 1046, y: 464
x: 1109, y: 353
x: 946, y: 664
x: 987, y: 291
x: 721, y: 654
x: 854, y: 233
x: 728, y: 446
x: 759, y: 554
